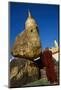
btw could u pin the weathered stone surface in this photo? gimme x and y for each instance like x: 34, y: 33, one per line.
x: 22, y: 71
x: 27, y: 43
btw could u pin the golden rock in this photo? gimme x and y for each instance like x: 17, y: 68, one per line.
x: 27, y: 43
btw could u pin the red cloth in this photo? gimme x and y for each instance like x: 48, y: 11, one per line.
x: 48, y: 63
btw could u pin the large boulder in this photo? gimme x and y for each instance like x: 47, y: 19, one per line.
x: 27, y: 44
x: 22, y: 71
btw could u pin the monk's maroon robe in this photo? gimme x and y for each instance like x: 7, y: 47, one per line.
x: 48, y: 63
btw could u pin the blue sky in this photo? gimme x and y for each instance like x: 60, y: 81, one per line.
x: 46, y: 16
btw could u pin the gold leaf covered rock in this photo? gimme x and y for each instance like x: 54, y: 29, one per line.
x: 27, y: 43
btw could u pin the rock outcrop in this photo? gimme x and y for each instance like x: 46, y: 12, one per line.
x: 22, y: 71
x: 26, y: 48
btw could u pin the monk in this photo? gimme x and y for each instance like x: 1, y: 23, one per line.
x: 49, y: 64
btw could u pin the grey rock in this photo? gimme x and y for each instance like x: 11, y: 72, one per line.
x: 22, y: 71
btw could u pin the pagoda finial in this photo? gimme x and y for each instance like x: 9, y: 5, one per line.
x: 56, y: 44
x: 29, y: 14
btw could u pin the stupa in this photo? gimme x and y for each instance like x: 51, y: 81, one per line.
x: 55, y: 51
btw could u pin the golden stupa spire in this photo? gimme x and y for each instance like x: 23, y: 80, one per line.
x: 29, y: 13
x: 55, y: 43
x: 30, y: 22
